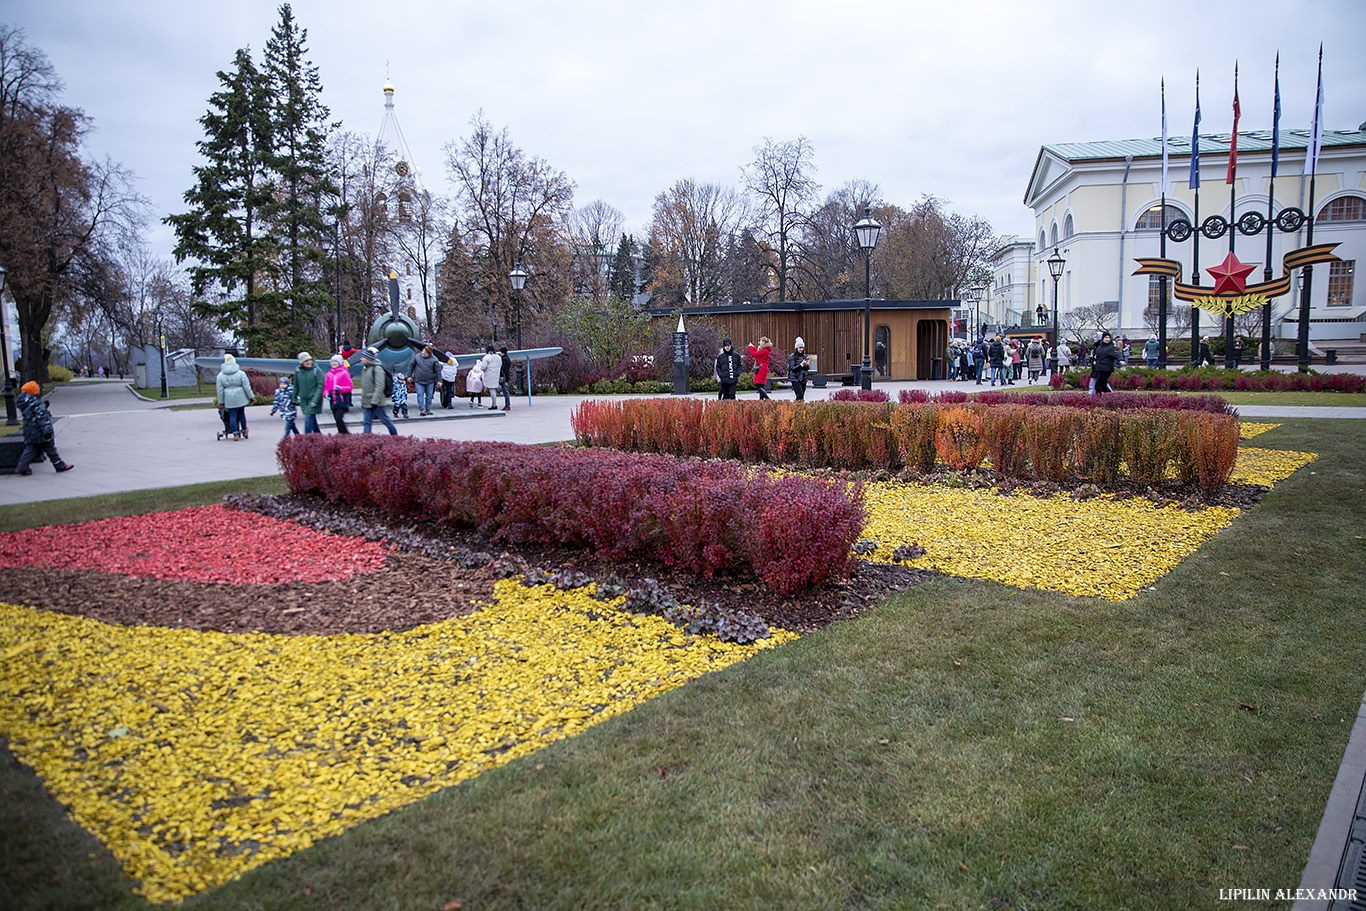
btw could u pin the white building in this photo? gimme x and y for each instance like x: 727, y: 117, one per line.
x: 1012, y: 299
x: 1098, y: 204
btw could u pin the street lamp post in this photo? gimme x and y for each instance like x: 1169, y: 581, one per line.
x: 867, y: 231
x: 976, y: 295
x: 11, y: 417
x: 972, y: 295
x: 1055, y: 267
x: 518, y: 277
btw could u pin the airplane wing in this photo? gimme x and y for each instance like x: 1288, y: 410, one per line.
x: 520, y: 354
x: 261, y: 364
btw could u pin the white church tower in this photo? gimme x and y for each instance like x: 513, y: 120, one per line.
x: 416, y: 242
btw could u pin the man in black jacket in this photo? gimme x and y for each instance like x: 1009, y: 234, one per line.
x: 505, y: 378
x: 728, y: 368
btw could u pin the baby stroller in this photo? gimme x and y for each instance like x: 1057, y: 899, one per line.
x: 225, y: 432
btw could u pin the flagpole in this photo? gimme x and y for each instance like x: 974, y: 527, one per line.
x: 1270, y: 225
x: 1312, y: 161
x: 1162, y: 280
x: 1232, y: 215
x: 1195, y: 236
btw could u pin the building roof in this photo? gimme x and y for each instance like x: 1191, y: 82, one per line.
x: 1056, y: 159
x: 799, y: 306
x: 1214, y: 143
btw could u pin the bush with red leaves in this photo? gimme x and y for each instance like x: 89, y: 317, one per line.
x: 795, y: 532
x: 203, y: 544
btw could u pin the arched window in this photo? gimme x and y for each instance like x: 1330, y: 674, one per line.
x: 1067, y: 228
x: 1344, y: 208
x: 1042, y: 241
x: 1054, y: 233
x: 1151, y: 219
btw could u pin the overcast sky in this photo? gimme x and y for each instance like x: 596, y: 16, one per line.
x: 947, y: 98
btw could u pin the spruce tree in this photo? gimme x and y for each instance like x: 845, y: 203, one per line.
x: 302, y: 183
x: 224, y: 232
x: 621, y: 278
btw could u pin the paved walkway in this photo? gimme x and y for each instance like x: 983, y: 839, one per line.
x: 119, y: 441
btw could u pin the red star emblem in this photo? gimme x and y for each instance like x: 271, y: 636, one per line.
x: 1230, y: 275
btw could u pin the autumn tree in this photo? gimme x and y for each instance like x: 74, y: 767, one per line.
x: 927, y: 252
x: 780, y: 178
x: 60, y: 214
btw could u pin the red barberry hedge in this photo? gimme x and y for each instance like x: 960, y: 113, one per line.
x: 1052, y: 443
x: 795, y: 532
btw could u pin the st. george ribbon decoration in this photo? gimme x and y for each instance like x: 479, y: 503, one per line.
x: 1231, y: 292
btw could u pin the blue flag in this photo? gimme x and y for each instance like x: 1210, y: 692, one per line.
x: 1276, y: 121
x: 1195, y: 138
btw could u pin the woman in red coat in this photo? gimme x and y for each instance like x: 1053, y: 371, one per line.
x: 760, y: 356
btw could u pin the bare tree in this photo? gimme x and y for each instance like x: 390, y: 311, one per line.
x: 1085, y: 323
x: 592, y: 231
x: 831, y: 251
x: 692, y: 222
x: 510, y: 210
x: 780, y: 177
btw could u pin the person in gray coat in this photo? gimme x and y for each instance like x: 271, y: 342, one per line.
x: 234, y: 394
x: 374, y: 391
x: 425, y: 369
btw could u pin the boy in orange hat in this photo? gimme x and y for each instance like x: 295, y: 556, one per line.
x: 37, y: 430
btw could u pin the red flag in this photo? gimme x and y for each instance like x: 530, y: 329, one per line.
x: 1233, y: 147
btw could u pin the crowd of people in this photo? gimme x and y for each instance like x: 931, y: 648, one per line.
x: 383, y: 392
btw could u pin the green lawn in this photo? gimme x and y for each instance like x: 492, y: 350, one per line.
x: 965, y: 745
x: 177, y: 392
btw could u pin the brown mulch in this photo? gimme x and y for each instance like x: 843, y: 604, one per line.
x: 435, y: 573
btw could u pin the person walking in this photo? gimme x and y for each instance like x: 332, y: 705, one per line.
x: 1205, y: 358
x: 729, y: 365
x: 1016, y: 360
x: 38, y: 433
x: 1064, y: 357
x: 1238, y: 347
x: 284, y: 405
x: 1103, y: 363
x: 798, y: 366
x: 1035, y: 354
x: 337, y: 388
x: 761, y: 355
x: 493, y: 366
x: 996, y: 357
x: 1152, y: 350
x: 425, y: 370
x: 450, y: 372
x: 504, y: 378
x: 308, y: 391
x: 234, y: 393
x: 398, y: 393
x: 374, y: 392
x: 474, y: 384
